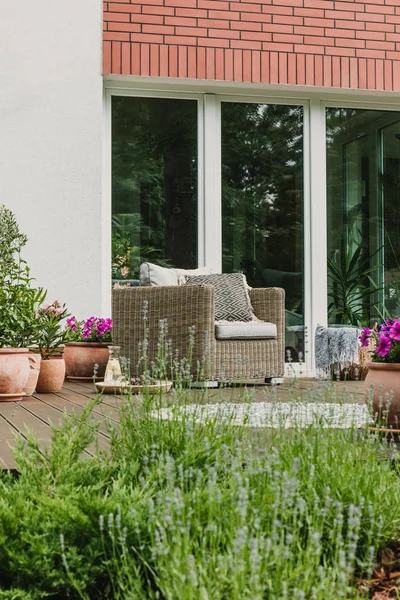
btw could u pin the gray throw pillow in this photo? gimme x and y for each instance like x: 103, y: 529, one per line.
x: 232, y: 301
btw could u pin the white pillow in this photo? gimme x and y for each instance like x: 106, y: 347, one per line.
x: 151, y: 274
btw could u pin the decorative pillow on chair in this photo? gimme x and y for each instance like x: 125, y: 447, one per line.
x: 232, y: 301
x: 151, y: 274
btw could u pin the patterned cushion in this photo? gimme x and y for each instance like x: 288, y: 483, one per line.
x: 232, y: 301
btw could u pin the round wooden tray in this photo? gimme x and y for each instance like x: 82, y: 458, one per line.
x: 84, y: 378
x: 109, y: 388
x: 381, y: 429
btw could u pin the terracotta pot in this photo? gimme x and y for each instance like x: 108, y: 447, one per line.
x: 14, y: 373
x: 51, y: 376
x: 34, y: 366
x: 81, y: 357
x: 385, y: 379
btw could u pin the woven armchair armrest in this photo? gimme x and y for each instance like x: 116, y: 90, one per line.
x: 269, y: 305
x: 181, y: 306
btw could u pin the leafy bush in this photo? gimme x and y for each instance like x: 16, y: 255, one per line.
x: 177, y: 509
x: 18, y: 299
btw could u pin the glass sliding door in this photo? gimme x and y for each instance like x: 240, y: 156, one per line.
x: 363, y: 157
x: 262, y: 203
x: 389, y: 138
x: 154, y: 184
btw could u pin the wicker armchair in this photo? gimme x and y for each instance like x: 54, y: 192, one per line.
x: 186, y: 306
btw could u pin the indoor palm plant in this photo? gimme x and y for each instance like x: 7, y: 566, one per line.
x: 86, y: 351
x: 350, y: 284
x: 382, y: 384
x: 18, y: 305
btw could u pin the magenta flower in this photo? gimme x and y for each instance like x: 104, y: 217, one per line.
x: 72, y: 324
x: 384, y: 346
x: 364, y: 337
x: 93, y: 329
x: 394, y: 331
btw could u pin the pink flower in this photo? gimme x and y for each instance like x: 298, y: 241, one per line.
x: 394, y: 332
x: 384, y: 346
x: 72, y: 324
x: 364, y: 337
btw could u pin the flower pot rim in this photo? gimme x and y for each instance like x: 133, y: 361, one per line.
x: 13, y: 350
x: 89, y: 344
x: 384, y: 366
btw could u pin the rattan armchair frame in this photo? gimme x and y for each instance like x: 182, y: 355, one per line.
x: 189, y: 311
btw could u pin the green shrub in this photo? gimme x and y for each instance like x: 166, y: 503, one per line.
x: 18, y: 299
x: 180, y: 510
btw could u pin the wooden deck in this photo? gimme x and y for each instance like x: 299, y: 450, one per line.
x: 36, y: 413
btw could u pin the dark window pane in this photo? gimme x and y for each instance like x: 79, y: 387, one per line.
x: 154, y: 184
x: 363, y: 156
x: 390, y: 179
x: 262, y: 203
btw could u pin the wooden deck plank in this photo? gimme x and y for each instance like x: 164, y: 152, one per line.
x: 7, y: 442
x: 87, y: 389
x: 53, y: 413
x: 39, y: 411
x: 22, y: 419
x: 19, y: 420
x: 37, y: 417
x: 101, y: 408
x: 61, y: 404
x: 81, y: 387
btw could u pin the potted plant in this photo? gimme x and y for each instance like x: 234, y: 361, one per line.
x: 86, y: 351
x: 50, y: 346
x: 18, y: 306
x: 382, y: 383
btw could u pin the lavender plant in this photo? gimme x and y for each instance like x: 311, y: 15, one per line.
x: 194, y: 507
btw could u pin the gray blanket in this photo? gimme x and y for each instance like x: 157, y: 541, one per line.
x: 336, y: 346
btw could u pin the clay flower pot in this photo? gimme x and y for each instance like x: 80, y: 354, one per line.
x: 51, y: 375
x: 81, y: 357
x: 14, y: 373
x: 34, y: 368
x: 385, y: 379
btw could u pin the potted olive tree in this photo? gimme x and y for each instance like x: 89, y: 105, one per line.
x: 18, y: 305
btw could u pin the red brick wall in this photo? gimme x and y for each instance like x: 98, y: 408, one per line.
x: 347, y: 43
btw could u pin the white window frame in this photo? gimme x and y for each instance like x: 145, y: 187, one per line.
x: 107, y: 179
x: 209, y: 96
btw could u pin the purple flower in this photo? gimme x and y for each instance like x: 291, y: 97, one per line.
x: 95, y: 328
x: 72, y: 324
x: 394, y: 331
x: 384, y: 346
x: 364, y: 337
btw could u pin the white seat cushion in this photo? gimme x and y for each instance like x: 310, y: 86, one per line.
x: 155, y: 275
x: 249, y: 330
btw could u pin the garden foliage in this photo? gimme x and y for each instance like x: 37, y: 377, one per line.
x: 176, y: 509
x: 18, y: 298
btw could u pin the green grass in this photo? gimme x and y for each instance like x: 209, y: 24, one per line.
x: 187, y: 511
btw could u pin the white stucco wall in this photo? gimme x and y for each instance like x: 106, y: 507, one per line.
x: 51, y: 143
